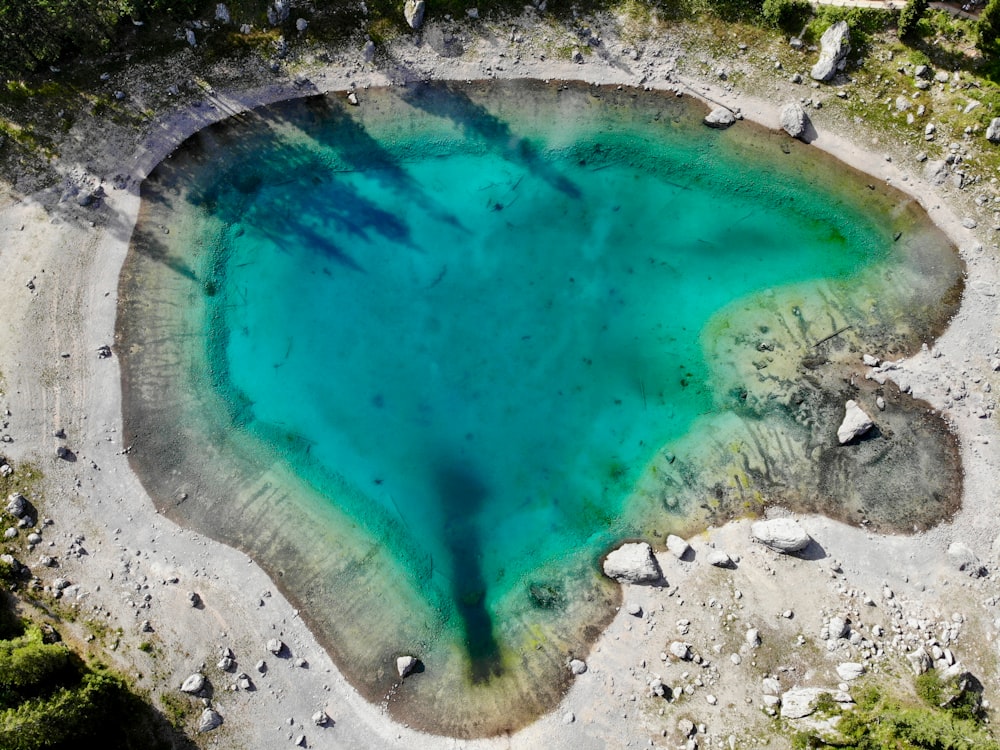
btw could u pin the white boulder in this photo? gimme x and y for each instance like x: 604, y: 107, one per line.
x: 413, y: 12
x: 405, y: 665
x: 782, y: 534
x: 835, y: 44
x: 633, y: 562
x: 677, y: 546
x: 794, y: 119
x: 856, y: 423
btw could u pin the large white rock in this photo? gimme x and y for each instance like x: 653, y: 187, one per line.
x: 782, y: 534
x: 719, y: 559
x: 720, y: 118
x: 633, y: 562
x: 850, y: 670
x: 679, y: 547
x: 835, y: 44
x: 413, y: 12
x: 194, y: 683
x: 856, y: 423
x: 794, y: 120
x: 799, y: 702
x: 405, y: 665
x: 993, y: 130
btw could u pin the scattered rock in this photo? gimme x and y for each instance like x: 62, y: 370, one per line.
x: 782, y: 534
x: 275, y: 646
x: 189, y: 36
x: 837, y: 628
x: 209, y: 720
x: 993, y: 130
x: 222, y: 14
x: 936, y: 170
x: 634, y: 609
x: 720, y: 118
x: 301, y: 25
x: 194, y: 683
x: 794, y: 119
x: 752, y: 637
x: 856, y: 423
x: 320, y: 718
x: 368, y: 51
x: 835, y: 44
x: 920, y: 661
x: 405, y: 665
x: 577, y: 666
x: 352, y: 99
x: 413, y: 12
x: 633, y: 562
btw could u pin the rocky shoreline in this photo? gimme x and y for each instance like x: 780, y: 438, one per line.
x: 888, y: 598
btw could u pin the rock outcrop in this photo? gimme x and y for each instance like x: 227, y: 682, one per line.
x: 835, y: 44
x: 800, y: 702
x: 633, y: 562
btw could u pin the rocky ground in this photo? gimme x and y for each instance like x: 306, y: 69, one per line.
x: 680, y: 665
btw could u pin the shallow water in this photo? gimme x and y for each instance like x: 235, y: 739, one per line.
x: 452, y: 332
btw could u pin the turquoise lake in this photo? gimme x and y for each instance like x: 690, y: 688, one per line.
x: 469, y: 330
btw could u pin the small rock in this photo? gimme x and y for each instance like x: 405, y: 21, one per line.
x: 752, y: 637
x: 838, y: 628
x: 680, y: 650
x: 222, y: 14
x: 189, y: 36
x: 577, y: 666
x: 368, y: 51
x: 634, y: 609
x: 275, y: 646
x: 301, y: 25
x: 969, y: 223
x: 965, y: 559
x: 320, y: 718
x: 17, y: 505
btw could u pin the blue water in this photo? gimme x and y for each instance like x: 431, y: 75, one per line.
x: 474, y: 341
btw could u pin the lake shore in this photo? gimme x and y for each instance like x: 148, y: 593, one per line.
x: 54, y: 379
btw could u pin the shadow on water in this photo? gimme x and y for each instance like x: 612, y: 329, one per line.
x: 462, y: 494
x: 448, y: 99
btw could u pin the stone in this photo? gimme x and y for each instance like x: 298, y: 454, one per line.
x: 577, y: 666
x: 320, y: 718
x: 413, y: 12
x: 936, y: 170
x: 794, y: 119
x: 680, y: 650
x: 634, y: 609
x: 352, y: 99
x: 800, y: 702
x: 856, y: 423
x: 920, y: 661
x: 17, y: 505
x: 752, y: 637
x: 969, y: 223
x: 993, y: 130
x: 577, y: 57
x: 837, y: 628
x: 226, y: 663
x: 568, y: 718
x: 405, y: 665
x: 719, y: 118
x: 301, y: 25
x: 189, y: 36
x: 719, y: 559
x: 222, y: 14
x: 921, y: 71
x: 942, y: 76
x: 679, y: 547
x: 965, y: 559
x: 850, y: 670
x: 368, y: 51
x: 782, y: 534
x: 633, y: 562
x: 835, y: 44
x: 194, y: 683
x: 209, y: 720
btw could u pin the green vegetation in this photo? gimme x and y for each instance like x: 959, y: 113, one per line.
x: 788, y: 15
x: 989, y: 28
x: 910, y: 17
x: 948, y: 716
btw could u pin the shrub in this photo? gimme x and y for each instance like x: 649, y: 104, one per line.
x: 909, y: 18
x: 789, y: 15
